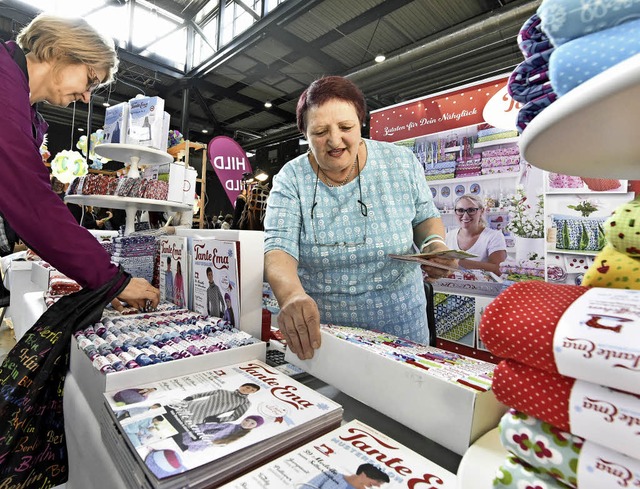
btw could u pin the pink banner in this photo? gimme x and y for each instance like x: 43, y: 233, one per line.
x: 229, y: 161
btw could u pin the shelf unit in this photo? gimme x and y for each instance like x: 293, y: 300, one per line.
x: 186, y: 146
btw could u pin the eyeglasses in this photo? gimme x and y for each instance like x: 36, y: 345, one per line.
x: 471, y: 211
x: 93, y: 81
x: 364, y: 210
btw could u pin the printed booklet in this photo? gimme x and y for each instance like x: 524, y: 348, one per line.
x: 203, y: 429
x: 354, y: 455
x: 174, y: 270
x: 427, y: 258
x: 216, y: 288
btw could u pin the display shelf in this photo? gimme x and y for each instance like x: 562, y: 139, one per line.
x: 479, y: 178
x: 592, y: 130
x: 572, y: 252
x: 134, y: 154
x: 129, y: 204
x: 485, y: 144
x: 481, y: 461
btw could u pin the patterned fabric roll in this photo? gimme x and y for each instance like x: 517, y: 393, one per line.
x: 516, y: 474
x: 564, y: 20
x: 583, y: 58
x: 531, y: 38
x: 531, y: 109
x: 521, y: 321
x: 530, y: 79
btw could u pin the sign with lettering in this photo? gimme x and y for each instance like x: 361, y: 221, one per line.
x: 487, y: 101
x: 229, y: 161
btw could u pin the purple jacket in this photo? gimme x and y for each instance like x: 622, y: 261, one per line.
x: 27, y: 201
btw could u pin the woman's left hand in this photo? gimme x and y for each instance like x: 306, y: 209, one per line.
x: 431, y: 274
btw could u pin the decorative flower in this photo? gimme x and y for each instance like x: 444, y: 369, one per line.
x: 96, y: 139
x: 585, y: 207
x: 522, y: 222
x: 68, y: 165
x: 44, y: 149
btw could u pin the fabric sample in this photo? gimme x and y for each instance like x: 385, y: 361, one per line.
x: 516, y: 474
x: 613, y: 269
x: 531, y: 38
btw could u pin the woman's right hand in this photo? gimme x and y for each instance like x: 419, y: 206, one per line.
x: 299, y: 322
x: 139, y: 294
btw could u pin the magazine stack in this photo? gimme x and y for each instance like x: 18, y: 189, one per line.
x: 353, y: 455
x: 207, y: 428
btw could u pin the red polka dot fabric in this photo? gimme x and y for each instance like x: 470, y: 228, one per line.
x: 540, y: 394
x: 521, y: 321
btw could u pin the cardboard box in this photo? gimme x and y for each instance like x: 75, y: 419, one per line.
x: 176, y: 182
x: 116, y: 120
x: 189, y: 186
x: 449, y: 414
x: 94, y: 383
x: 40, y: 275
x: 147, y: 122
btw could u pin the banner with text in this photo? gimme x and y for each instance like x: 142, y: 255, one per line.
x: 229, y: 161
x: 485, y: 102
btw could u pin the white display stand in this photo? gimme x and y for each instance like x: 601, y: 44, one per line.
x: 130, y: 204
x: 592, y: 130
x: 134, y: 154
x: 479, y: 464
x: 251, y: 272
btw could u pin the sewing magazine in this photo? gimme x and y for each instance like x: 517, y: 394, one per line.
x: 355, y: 454
x: 174, y: 270
x: 203, y: 429
x: 216, y: 288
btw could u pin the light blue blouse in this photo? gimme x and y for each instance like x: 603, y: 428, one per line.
x: 342, y: 254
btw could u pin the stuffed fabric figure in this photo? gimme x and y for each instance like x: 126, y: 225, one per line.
x: 617, y: 266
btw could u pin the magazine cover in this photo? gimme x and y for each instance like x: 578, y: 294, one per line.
x: 354, y: 455
x: 216, y: 290
x: 182, y: 423
x: 174, y: 270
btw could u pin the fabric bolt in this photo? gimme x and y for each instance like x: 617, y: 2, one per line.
x: 25, y: 187
x: 558, y: 180
x: 579, y: 233
x: 530, y: 79
x: 541, y: 445
x: 501, y: 169
x: 531, y: 38
x: 577, y: 61
x: 564, y: 20
x: 455, y: 316
x: 613, y: 269
x: 516, y: 474
x: 601, y: 184
x: 508, y: 151
x: 390, y: 292
x: 530, y: 110
x: 495, y: 136
x: 521, y: 321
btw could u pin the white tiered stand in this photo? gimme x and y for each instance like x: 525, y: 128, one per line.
x: 135, y: 155
x: 592, y: 131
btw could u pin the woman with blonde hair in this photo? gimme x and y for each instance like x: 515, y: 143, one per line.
x: 59, y: 61
x: 475, y: 237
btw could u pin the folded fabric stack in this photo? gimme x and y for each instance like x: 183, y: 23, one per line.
x: 469, y: 167
x: 495, y: 134
x: 558, y: 180
x: 135, y: 254
x: 455, y: 315
x: 588, y: 38
x: 529, y: 83
x: 441, y: 170
x: 570, y: 376
x: 501, y: 160
x: 59, y: 286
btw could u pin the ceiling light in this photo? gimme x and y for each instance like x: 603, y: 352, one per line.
x: 261, y: 175
x: 268, y: 104
x: 380, y: 58
x: 205, y: 131
x: 81, y: 129
x: 106, y: 104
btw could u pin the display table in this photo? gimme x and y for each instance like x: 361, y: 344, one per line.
x: 133, y: 154
x: 130, y: 204
x: 91, y: 467
x: 590, y: 131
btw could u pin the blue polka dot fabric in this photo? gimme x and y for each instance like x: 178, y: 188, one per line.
x: 581, y: 59
x: 356, y: 284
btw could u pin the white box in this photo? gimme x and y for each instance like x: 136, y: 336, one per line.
x: 189, y: 186
x: 250, y: 269
x: 40, y: 275
x: 176, y: 182
x: 94, y: 383
x: 147, y: 122
x: 116, y: 120
x: 449, y: 414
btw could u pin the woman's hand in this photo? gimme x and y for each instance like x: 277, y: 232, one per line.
x: 139, y: 294
x: 299, y: 322
x: 431, y: 274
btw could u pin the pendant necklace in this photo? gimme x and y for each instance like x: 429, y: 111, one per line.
x: 332, y: 183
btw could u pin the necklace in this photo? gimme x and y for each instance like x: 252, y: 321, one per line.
x: 331, y: 182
